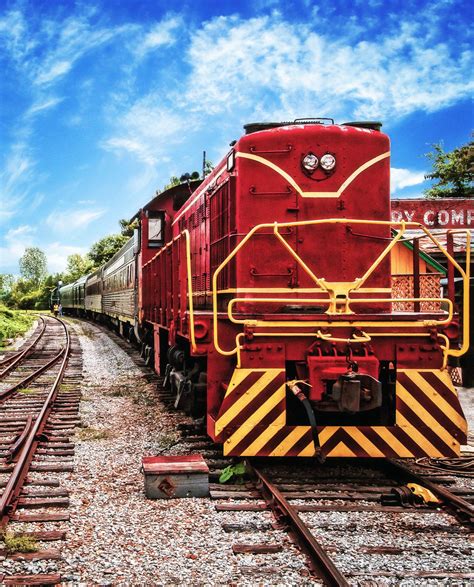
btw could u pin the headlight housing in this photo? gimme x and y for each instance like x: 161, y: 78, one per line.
x: 310, y: 162
x: 328, y: 162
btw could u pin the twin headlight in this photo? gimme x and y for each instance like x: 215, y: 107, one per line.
x: 310, y: 162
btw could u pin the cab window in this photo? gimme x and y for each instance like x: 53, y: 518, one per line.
x: 156, y: 229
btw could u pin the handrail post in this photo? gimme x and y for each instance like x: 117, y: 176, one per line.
x: 450, y: 249
x: 416, y: 274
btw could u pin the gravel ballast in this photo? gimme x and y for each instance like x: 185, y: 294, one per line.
x: 116, y: 535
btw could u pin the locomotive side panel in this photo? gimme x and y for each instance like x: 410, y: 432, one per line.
x: 118, y: 296
x: 93, y: 293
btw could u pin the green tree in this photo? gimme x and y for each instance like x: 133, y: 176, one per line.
x: 453, y: 172
x: 172, y: 182
x: 33, y: 266
x: 105, y: 249
x: 6, y: 283
x: 127, y: 227
x: 24, y: 294
x: 77, y: 266
x: 208, y: 167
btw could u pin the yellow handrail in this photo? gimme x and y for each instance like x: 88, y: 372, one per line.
x: 305, y: 323
x: 187, y: 236
x: 332, y: 289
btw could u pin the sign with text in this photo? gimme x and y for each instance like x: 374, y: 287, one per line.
x: 442, y: 213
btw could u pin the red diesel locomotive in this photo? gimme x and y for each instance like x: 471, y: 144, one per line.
x: 264, y: 297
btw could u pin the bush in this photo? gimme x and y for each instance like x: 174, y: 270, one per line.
x: 13, y: 323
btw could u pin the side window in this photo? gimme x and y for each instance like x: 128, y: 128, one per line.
x: 156, y: 229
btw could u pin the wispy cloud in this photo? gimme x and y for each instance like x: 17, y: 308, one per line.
x: 57, y: 254
x: 43, y: 104
x: 240, y: 69
x: 15, y: 242
x: 16, y: 179
x: 147, y: 130
x: 389, y: 76
x: 70, y: 220
x: 403, y: 178
x: 161, y: 34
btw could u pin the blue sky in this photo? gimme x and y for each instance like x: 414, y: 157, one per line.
x: 102, y: 101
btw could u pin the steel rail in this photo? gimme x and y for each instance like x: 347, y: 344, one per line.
x: 8, y: 392
x: 320, y: 560
x: 17, y: 358
x: 13, y: 488
x: 461, y: 508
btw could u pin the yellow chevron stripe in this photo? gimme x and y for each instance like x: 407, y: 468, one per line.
x: 308, y: 451
x: 290, y: 441
x: 341, y: 450
x: 425, y: 416
x: 443, y: 376
x: 393, y: 441
x: 364, y: 442
x: 417, y: 437
x: 256, y: 417
x: 237, y: 377
x: 326, y: 433
x: 267, y: 377
x: 436, y: 398
x: 262, y: 440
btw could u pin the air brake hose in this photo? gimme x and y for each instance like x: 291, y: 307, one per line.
x: 311, y: 417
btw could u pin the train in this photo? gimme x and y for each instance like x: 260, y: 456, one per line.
x: 263, y: 295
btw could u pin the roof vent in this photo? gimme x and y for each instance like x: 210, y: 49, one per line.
x: 258, y: 126
x: 370, y: 124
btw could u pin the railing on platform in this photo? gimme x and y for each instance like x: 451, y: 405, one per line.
x: 338, y: 295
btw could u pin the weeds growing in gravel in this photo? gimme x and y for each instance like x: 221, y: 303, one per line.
x: 19, y: 542
x: 26, y: 390
x: 143, y: 399
x: 89, y: 334
x: 89, y: 433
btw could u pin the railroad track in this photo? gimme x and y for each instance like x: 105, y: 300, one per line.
x: 39, y: 403
x: 335, y: 514
x: 321, y: 506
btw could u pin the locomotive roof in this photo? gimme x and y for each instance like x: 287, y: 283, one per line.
x: 180, y: 193
x: 259, y: 126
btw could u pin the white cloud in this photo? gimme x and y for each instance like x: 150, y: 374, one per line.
x: 246, y: 63
x: 43, y: 104
x: 16, y: 179
x: 148, y: 129
x: 18, y: 239
x: 15, y: 242
x: 240, y: 70
x: 57, y: 254
x: 49, y: 73
x: 160, y: 35
x: 403, y: 178
x: 67, y: 221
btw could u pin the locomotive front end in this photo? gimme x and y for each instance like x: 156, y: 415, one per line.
x: 312, y: 354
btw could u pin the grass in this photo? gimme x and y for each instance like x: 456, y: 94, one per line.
x: 19, y: 542
x: 27, y: 390
x: 138, y: 396
x: 13, y: 323
x: 89, y: 433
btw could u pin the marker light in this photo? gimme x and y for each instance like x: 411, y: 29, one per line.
x: 310, y: 162
x: 328, y: 162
